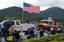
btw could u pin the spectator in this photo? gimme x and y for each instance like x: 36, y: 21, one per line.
x: 52, y: 31
x: 16, y: 35
x: 41, y: 32
x: 28, y: 33
x: 32, y: 32
x: 37, y: 32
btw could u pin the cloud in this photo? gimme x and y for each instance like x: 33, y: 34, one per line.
x: 52, y: 3
x: 7, y: 3
x: 44, y: 4
x: 33, y: 2
x: 18, y: 3
x: 43, y: 8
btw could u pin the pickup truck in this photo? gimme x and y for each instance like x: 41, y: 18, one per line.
x: 19, y: 26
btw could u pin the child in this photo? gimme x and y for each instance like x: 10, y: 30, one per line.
x: 10, y: 37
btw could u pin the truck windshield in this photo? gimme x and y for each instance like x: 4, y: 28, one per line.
x: 17, y: 23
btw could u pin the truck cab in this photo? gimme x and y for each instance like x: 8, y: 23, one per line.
x: 45, y: 24
x: 19, y: 26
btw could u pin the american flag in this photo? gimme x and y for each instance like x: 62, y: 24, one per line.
x: 31, y: 8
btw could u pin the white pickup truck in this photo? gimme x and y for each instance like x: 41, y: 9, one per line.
x: 19, y: 26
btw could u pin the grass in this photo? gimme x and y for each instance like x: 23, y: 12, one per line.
x: 56, y: 41
x: 51, y: 38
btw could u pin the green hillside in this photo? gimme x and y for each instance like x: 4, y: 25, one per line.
x: 54, y: 12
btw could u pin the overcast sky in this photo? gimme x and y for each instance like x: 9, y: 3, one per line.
x: 18, y: 3
x: 44, y: 4
x: 52, y: 3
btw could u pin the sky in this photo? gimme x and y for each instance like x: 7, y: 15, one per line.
x: 44, y: 4
x: 19, y: 3
x: 52, y: 3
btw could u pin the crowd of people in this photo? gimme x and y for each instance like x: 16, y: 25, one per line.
x: 53, y: 29
x: 9, y: 34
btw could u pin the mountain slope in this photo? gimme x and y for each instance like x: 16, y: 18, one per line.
x: 12, y: 11
x: 54, y: 12
x: 18, y: 12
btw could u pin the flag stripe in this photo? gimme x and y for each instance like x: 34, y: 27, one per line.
x: 31, y: 9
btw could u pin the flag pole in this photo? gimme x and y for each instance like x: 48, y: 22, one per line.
x: 22, y: 15
x: 23, y: 19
